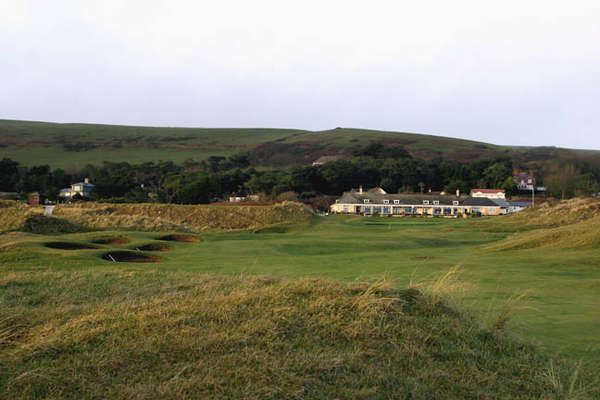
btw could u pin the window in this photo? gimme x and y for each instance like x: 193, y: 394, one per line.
x: 455, y: 203
x: 367, y: 210
x: 386, y: 202
x: 425, y: 201
x: 396, y: 201
x: 492, y: 210
x: 387, y: 210
x: 346, y: 209
x: 366, y: 201
x: 436, y: 202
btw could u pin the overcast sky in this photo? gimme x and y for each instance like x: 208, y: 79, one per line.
x: 505, y: 72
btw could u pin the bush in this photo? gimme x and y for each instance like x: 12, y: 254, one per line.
x: 44, y: 225
x: 288, y: 196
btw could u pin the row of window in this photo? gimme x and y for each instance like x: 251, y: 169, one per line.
x: 426, y: 202
x: 407, y: 210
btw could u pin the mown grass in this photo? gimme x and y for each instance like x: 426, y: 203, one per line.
x: 147, y: 333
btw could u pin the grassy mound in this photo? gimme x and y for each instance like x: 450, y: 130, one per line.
x: 547, y: 215
x: 70, y: 246
x: 163, y: 217
x: 13, y: 215
x: 569, y: 224
x: 48, y: 225
x: 149, y: 334
x: 578, y: 235
x: 129, y: 256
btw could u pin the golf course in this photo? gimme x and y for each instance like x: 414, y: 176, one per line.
x: 532, y: 284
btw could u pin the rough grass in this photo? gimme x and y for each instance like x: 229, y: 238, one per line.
x: 579, y: 235
x: 13, y: 215
x: 547, y: 215
x: 150, y: 335
x: 41, y: 224
x: 570, y: 224
x: 163, y: 217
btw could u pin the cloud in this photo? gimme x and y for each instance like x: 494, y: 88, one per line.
x: 507, y: 73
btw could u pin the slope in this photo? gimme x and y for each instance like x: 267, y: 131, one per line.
x: 149, y: 334
x: 74, y: 145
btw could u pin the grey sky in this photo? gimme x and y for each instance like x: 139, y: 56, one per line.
x: 509, y: 72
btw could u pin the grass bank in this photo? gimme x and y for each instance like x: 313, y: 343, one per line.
x: 192, y: 218
x: 146, y: 333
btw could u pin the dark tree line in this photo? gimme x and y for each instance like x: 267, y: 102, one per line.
x: 219, y: 177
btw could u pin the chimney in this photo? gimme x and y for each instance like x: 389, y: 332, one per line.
x: 86, y: 180
x: 457, y: 192
x: 360, y: 189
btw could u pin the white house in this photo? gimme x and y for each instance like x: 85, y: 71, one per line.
x: 82, y: 188
x: 489, y: 193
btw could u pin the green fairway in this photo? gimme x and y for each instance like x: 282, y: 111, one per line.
x: 561, y: 309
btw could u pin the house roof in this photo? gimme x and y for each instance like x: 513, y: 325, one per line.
x: 83, y: 184
x: 488, y: 190
x: 501, y: 202
x: 520, y: 203
x: 414, y: 199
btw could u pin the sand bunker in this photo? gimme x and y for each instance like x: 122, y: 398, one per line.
x: 112, y: 240
x: 129, y: 256
x: 180, y: 238
x: 154, y: 247
x: 70, y: 246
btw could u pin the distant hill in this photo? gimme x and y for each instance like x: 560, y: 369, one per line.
x: 74, y: 145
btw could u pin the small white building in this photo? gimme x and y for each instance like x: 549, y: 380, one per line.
x: 489, y: 193
x: 82, y: 188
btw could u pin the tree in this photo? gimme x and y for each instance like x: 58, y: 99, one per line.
x: 510, y: 186
x: 495, y: 175
x: 453, y: 185
x: 9, y: 175
x: 563, y: 181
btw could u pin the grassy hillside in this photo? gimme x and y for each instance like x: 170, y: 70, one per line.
x: 74, y: 145
x: 148, y: 334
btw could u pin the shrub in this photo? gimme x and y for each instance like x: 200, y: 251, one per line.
x: 44, y: 225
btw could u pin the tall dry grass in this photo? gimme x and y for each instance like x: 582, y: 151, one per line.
x: 192, y: 218
x: 150, y: 334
